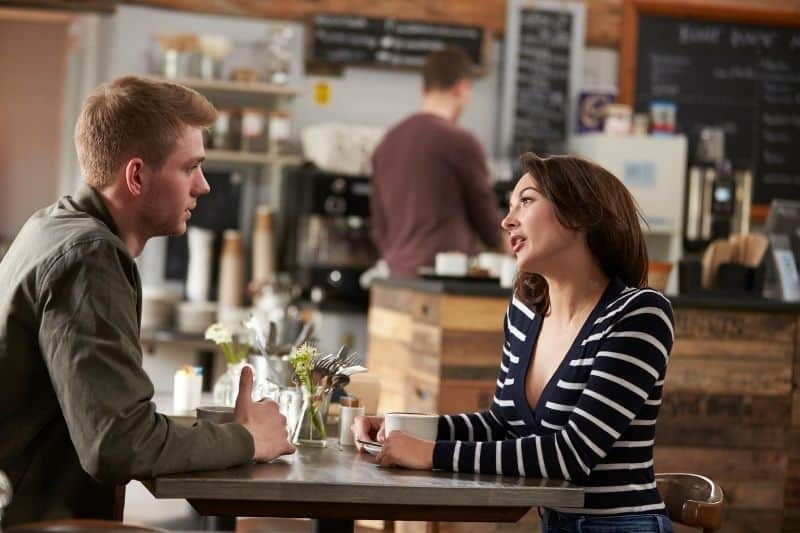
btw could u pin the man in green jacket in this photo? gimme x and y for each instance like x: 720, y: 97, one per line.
x: 76, y: 410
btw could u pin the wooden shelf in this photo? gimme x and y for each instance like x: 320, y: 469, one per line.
x: 254, y: 88
x: 233, y: 156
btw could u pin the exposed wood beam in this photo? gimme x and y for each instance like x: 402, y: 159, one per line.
x: 96, y: 6
x: 34, y: 15
x: 603, y: 27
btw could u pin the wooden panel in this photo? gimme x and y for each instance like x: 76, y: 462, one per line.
x: 738, y: 410
x: 388, y: 360
x: 755, y: 350
x: 472, y: 348
x: 749, y: 521
x: 728, y: 436
x: 792, y: 492
x: 719, y: 464
x: 389, y: 324
x: 456, y: 396
x: 725, y: 377
x: 466, y: 313
x: 424, y: 307
x: 749, y: 479
x: 720, y: 325
x: 389, y: 298
x: 426, y: 338
x: 796, y: 406
x: 422, y: 393
x: 424, y: 365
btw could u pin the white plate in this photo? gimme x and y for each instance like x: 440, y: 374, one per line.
x: 371, y: 447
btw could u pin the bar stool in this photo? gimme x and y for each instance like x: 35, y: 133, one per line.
x: 692, y: 500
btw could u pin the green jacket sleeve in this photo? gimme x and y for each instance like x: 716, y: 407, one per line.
x: 89, y: 338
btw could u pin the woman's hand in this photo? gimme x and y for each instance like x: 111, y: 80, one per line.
x: 367, y: 428
x: 401, y: 449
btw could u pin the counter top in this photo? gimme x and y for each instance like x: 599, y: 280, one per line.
x: 491, y: 289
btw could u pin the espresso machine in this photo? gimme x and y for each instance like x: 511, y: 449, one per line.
x: 324, y: 236
x: 718, y: 195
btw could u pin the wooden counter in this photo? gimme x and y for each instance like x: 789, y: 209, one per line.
x: 731, y: 403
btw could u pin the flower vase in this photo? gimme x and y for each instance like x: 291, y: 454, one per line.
x: 227, y: 386
x: 310, y: 429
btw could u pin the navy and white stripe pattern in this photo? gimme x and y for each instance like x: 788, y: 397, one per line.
x: 594, y: 423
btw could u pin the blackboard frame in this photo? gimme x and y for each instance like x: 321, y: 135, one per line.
x: 321, y: 67
x: 702, y: 10
x: 515, y: 8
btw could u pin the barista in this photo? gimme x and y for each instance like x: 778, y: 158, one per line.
x: 431, y: 188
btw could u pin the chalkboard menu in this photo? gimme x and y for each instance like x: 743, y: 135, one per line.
x: 544, y: 41
x: 357, y: 40
x: 540, y: 111
x: 742, y: 78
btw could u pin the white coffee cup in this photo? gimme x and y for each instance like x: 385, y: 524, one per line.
x: 492, y: 262
x: 508, y: 271
x: 419, y: 425
x: 452, y: 264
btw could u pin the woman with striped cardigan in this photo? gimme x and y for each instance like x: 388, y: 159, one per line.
x: 583, y: 361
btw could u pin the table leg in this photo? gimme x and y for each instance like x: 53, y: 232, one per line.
x: 331, y: 525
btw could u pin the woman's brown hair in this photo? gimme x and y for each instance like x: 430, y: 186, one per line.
x: 587, y: 197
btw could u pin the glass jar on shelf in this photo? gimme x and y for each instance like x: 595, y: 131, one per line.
x: 254, y: 130
x: 225, y: 133
x: 280, y: 130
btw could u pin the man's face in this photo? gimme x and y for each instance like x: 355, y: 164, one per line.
x: 170, y: 193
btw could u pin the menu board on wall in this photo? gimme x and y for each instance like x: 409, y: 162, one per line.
x: 544, y: 43
x: 386, y: 42
x: 740, y: 77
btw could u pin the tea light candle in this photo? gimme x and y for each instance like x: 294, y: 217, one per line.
x: 187, y: 387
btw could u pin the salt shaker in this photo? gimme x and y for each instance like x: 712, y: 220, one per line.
x: 347, y: 416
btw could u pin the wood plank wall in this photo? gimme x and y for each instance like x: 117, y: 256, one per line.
x: 731, y: 406
x: 603, y: 27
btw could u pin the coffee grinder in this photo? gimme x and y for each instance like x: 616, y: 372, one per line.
x: 718, y: 198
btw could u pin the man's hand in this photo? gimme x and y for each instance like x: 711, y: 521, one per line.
x: 263, y: 420
x: 401, y: 449
x: 367, y: 428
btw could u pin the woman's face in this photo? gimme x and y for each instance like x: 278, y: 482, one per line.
x: 538, y: 240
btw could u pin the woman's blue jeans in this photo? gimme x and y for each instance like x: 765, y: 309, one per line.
x: 554, y: 522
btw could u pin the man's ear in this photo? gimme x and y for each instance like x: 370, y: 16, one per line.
x: 462, y: 87
x: 134, y: 181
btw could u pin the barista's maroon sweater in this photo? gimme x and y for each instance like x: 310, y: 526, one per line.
x: 430, y: 194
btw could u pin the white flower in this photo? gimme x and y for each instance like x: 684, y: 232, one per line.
x: 219, y: 334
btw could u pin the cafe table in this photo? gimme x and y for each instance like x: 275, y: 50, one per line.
x: 336, y: 485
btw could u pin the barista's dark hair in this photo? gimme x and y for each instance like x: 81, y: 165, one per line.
x: 587, y: 197
x: 446, y: 67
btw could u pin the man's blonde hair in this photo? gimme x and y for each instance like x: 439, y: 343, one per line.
x: 135, y: 117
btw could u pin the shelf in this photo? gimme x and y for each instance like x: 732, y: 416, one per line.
x: 233, y: 156
x: 253, y: 88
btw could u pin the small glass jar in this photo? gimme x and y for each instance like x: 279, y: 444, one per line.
x: 254, y: 130
x: 226, y: 388
x: 310, y: 429
x: 225, y: 132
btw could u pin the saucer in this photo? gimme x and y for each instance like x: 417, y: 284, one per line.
x: 373, y: 448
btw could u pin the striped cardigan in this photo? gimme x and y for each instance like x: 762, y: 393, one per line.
x: 594, y: 423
